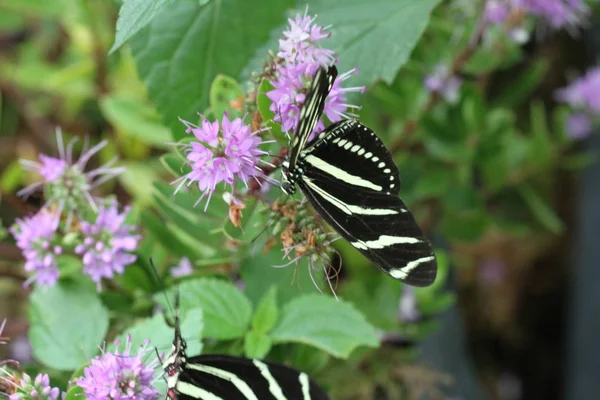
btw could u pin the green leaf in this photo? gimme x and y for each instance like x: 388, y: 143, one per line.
x: 75, y: 393
x: 257, y: 344
x: 522, y: 86
x: 266, y: 314
x: 179, y: 61
x: 224, y: 92
x: 68, y: 323
x: 542, y: 211
x: 465, y: 225
x: 320, y: 321
x: 133, y: 16
x: 161, y: 335
x: 541, y: 143
x: 259, y: 275
x: 227, y: 311
x: 268, y: 116
x: 376, y: 36
x: 132, y: 117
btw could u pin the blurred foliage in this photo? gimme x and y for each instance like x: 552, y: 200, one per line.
x: 485, y: 165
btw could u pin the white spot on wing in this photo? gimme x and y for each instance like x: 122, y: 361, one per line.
x: 239, y: 383
x: 344, y: 207
x: 340, y: 173
x: 384, y: 241
x: 274, y: 387
x: 402, y: 273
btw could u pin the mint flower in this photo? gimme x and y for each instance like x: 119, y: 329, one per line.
x: 37, y: 237
x: 441, y: 82
x: 555, y: 13
x: 583, y: 95
x: 107, y: 244
x: 222, y: 153
x: 66, y: 184
x: 299, y: 59
x: 184, y: 268
x: 38, y: 389
x: 120, y: 376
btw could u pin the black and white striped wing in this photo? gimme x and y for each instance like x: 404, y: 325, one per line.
x: 220, y: 377
x: 351, y: 179
x: 311, y: 111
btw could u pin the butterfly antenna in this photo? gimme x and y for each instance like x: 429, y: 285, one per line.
x: 155, y: 271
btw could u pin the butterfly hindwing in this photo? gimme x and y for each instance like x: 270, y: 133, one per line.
x: 351, y: 180
x: 237, y: 378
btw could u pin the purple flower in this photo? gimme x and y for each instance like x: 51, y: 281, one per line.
x: 583, y: 95
x: 441, y: 82
x: 556, y: 13
x: 65, y: 182
x: 120, y: 376
x: 107, y: 244
x: 38, y: 389
x: 492, y: 272
x: 299, y: 60
x: 578, y: 126
x: 184, y: 268
x: 222, y: 153
x: 496, y: 11
x: 407, y: 308
x: 298, y: 44
x: 36, y: 236
x: 583, y: 92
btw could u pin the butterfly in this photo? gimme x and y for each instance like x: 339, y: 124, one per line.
x: 351, y: 180
x: 224, y: 377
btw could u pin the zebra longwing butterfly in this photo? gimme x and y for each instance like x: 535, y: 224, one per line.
x: 222, y: 377
x: 351, y: 180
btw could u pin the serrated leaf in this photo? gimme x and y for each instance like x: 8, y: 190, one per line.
x: 133, y: 16
x: 227, y: 311
x: 377, y: 36
x: 266, y: 314
x: 257, y: 344
x: 542, y: 211
x: 179, y: 61
x: 320, y: 321
x: 68, y: 323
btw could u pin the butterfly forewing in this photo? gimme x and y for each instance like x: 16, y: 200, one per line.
x: 351, y: 180
x: 311, y: 111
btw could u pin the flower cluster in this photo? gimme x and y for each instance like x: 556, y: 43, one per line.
x: 62, y: 226
x: 107, y: 244
x: 66, y: 183
x: 556, y: 13
x: 298, y: 60
x: 222, y: 153
x: 583, y: 95
x: 120, y: 376
x: 440, y: 81
x: 37, y: 237
x: 37, y: 389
